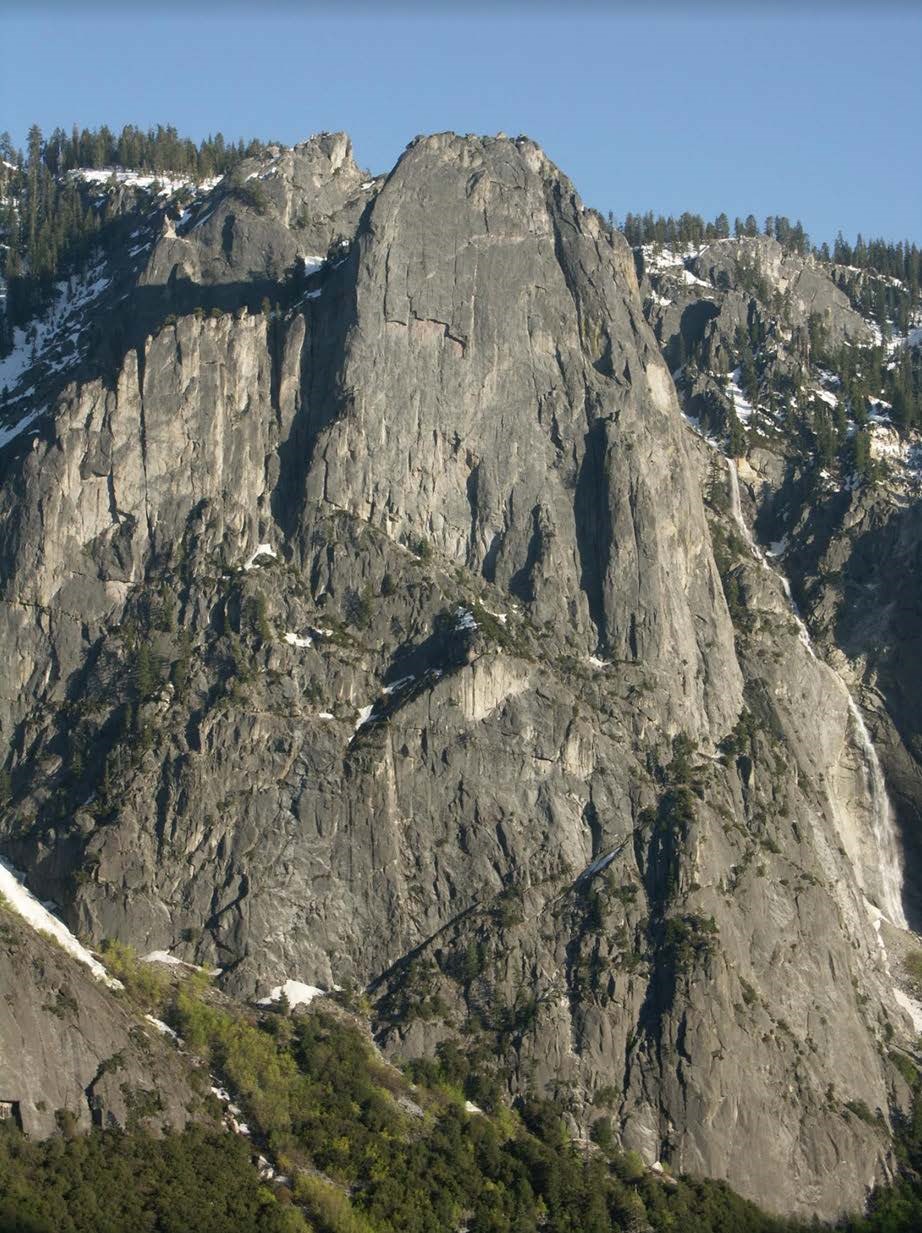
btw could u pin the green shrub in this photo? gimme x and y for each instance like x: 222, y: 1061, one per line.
x: 148, y: 984
x: 913, y: 964
x: 328, y: 1208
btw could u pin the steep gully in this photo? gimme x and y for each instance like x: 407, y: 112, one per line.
x: 889, y: 882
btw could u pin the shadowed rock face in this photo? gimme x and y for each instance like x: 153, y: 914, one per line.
x: 462, y: 458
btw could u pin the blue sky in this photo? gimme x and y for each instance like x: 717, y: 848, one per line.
x: 810, y: 111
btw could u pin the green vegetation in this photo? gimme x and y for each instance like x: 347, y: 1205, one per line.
x: 315, y: 1088
x: 901, y: 261
x: 371, y: 1150
x: 50, y: 223
x: 251, y: 193
x: 913, y: 964
x: 131, y: 1183
x: 147, y: 984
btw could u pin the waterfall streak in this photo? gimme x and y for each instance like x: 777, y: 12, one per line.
x: 883, y: 821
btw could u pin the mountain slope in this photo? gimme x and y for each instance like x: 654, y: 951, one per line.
x: 399, y: 632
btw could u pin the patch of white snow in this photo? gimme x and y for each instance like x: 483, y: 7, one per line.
x: 910, y: 1005
x: 24, y: 903
x: 163, y: 1028
x: 262, y: 550
x: 298, y: 640
x: 392, y: 689
x: 297, y: 993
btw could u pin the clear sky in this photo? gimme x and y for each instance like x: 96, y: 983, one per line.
x: 810, y: 110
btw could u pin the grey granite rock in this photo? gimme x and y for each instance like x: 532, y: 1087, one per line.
x: 357, y: 642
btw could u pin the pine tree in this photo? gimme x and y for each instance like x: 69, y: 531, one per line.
x: 862, y: 464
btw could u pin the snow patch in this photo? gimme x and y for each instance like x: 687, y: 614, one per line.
x: 601, y: 862
x: 691, y: 280
x: 910, y: 1005
x: 163, y: 1028
x: 298, y: 640
x: 297, y: 993
x: 741, y: 404
x: 401, y: 684
x: 164, y: 956
x: 464, y: 620
x: 24, y: 903
x: 168, y: 184
x: 14, y: 430
x: 262, y: 550
x: 204, y: 219
x: 56, y: 329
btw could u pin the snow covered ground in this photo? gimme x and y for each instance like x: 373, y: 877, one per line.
x: 741, y: 404
x: 13, y: 430
x: 661, y: 257
x: 52, y: 339
x: 168, y: 183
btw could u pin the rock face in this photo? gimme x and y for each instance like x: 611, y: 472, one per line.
x: 69, y: 1050
x: 379, y: 638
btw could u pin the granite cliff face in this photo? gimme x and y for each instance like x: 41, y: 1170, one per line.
x: 72, y: 1055
x: 377, y: 636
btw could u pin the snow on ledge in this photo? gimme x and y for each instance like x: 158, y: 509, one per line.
x: 297, y: 993
x: 298, y: 640
x: 262, y: 550
x: 24, y: 903
x: 910, y: 1005
x: 397, y: 686
x: 163, y: 1028
x: 464, y: 620
x: 602, y: 862
x: 163, y: 956
x: 12, y: 431
x: 173, y: 961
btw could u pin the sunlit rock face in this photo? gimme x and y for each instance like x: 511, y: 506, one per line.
x: 374, y: 635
